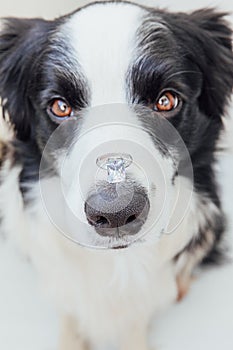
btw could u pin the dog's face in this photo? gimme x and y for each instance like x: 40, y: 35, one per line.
x: 117, y: 78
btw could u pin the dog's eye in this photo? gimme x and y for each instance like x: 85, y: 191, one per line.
x: 61, y: 109
x: 166, y: 102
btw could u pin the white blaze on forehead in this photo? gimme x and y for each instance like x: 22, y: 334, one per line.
x: 103, y: 39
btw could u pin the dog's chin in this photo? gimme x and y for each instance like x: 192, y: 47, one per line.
x: 120, y: 247
x: 122, y: 243
x: 116, y: 243
x: 125, y: 246
x: 89, y: 238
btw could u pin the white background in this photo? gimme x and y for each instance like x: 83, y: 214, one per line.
x: 203, y: 321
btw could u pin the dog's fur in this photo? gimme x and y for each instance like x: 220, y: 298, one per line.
x: 101, y: 55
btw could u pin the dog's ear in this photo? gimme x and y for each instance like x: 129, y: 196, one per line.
x: 208, y: 38
x: 21, y: 43
x: 217, y: 61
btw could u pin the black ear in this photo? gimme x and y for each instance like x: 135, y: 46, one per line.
x: 216, y: 60
x: 208, y: 39
x: 21, y: 43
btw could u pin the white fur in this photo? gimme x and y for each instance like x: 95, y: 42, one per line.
x: 103, y: 38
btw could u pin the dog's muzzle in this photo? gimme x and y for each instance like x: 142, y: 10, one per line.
x: 116, y: 179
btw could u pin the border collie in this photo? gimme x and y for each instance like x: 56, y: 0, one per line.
x: 111, y: 117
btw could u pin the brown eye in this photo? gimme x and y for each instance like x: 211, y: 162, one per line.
x: 167, y: 102
x: 61, y: 109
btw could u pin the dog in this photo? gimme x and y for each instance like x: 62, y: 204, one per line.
x: 111, y: 113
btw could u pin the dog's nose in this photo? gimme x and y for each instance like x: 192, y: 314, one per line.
x: 118, y: 209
